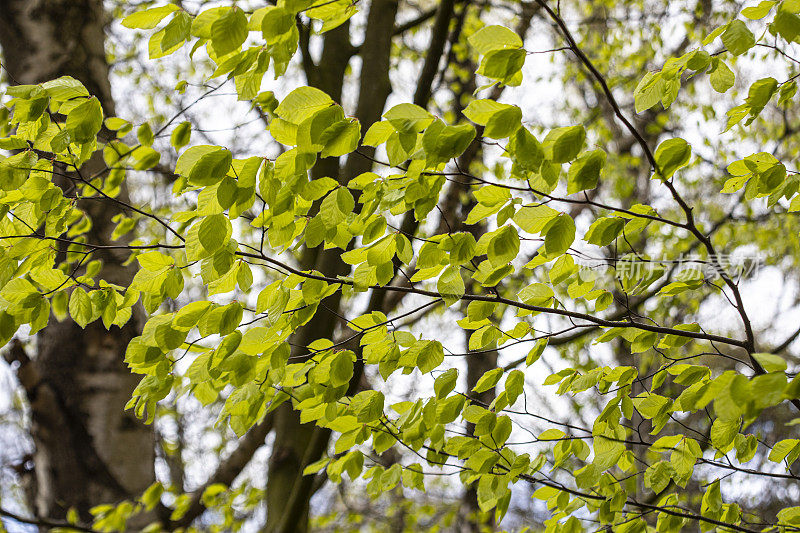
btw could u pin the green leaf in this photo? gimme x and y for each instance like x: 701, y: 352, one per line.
x: 494, y: 38
x: 190, y: 314
x: 342, y: 140
x: 789, y: 516
x: 301, y: 103
x: 378, y: 133
x: 525, y: 150
x: 737, y: 38
x: 760, y: 94
x: 786, y: 449
x: 277, y: 22
x: 723, y: 432
x: 443, y: 143
x: 214, y: 231
x: 503, y: 246
x: 562, y: 145
x: 341, y: 368
x: 536, y: 294
x: 204, y: 165
x: 534, y: 218
x: 787, y: 24
x: 408, y: 118
x: 500, y: 120
x: 155, y: 261
x: 144, y: 134
x: 336, y: 206
x: 488, y: 380
x: 607, y: 452
x: 229, y: 31
x: 368, y: 406
x: 771, y: 362
x: 431, y: 355
x: 176, y: 32
x: 536, y: 352
x: 85, y: 121
x: 451, y: 285
x: 64, y: 88
x: 604, y: 230
x: 14, y: 170
x: 683, y: 459
x: 760, y: 11
x: 503, y: 65
x: 584, y: 173
x: 149, y: 18
x: 514, y: 385
x: 671, y: 155
x: 649, y: 91
x: 80, y: 307
x: 181, y: 135
x: 658, y: 476
x: 721, y: 77
x: 445, y: 383
x: 560, y: 234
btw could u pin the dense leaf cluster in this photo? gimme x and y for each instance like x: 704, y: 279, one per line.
x: 249, y: 216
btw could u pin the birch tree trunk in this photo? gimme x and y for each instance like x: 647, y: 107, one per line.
x: 89, y: 450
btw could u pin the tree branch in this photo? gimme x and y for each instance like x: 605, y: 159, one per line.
x: 435, y: 49
x: 227, y: 471
x: 45, y: 523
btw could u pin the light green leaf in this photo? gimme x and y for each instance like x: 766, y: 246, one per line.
x: 534, y: 218
x: 604, y: 230
x: 737, y: 38
x: 408, y: 118
x: 85, y: 121
x: 442, y: 143
x: 155, y: 261
x: 80, y: 307
x: 560, y: 234
x: 148, y: 18
x: 341, y: 368
x: 488, y: 380
x: 445, y: 383
x: 562, y: 145
x: 760, y: 11
x: 771, y: 362
x: 649, y: 91
x: 671, y: 155
x: 301, y: 103
x: 787, y: 24
x: 525, y: 150
x: 503, y: 65
x: 494, y: 38
x: 277, y: 22
x: 500, y: 120
x: 181, y: 135
x: 503, y: 246
x: 431, y: 355
x: 214, y: 231
x: 341, y: 140
x: 229, y: 31
x: 584, y: 173
x: 451, y: 285
x: 204, y: 165
x: 721, y: 77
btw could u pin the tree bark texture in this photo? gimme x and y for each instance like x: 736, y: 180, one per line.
x: 89, y: 450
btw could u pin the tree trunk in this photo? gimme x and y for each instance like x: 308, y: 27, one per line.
x: 288, y: 493
x: 296, y: 445
x: 89, y: 450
